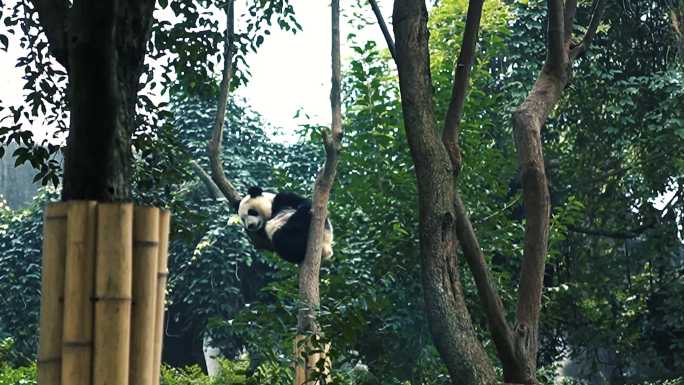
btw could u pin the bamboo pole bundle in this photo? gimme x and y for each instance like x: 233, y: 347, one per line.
x: 78, y: 291
x: 145, y: 266
x: 162, y: 274
x: 52, y: 292
x: 113, y: 285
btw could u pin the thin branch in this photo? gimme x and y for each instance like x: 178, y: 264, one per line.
x: 215, y: 144
x: 598, y: 8
x: 487, y: 291
x: 52, y: 15
x: 461, y: 76
x: 383, y: 27
x: 309, y: 270
x: 555, y: 53
x: 213, y: 189
x: 623, y: 234
x: 497, y: 212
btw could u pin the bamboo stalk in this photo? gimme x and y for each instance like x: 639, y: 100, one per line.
x: 77, y: 345
x: 162, y: 274
x: 52, y: 293
x: 145, y: 265
x: 113, y: 285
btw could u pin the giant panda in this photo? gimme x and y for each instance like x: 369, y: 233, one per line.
x: 284, y: 218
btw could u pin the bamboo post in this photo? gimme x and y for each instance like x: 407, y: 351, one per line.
x: 52, y: 292
x: 300, y: 364
x: 78, y: 291
x: 145, y: 265
x: 304, y: 370
x: 113, y: 283
x: 162, y: 274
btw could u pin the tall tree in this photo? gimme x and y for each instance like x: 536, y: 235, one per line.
x: 449, y: 319
x: 443, y: 217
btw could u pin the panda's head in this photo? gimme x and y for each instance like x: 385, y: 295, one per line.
x: 255, y: 209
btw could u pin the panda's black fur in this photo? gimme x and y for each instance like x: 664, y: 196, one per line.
x: 287, y: 227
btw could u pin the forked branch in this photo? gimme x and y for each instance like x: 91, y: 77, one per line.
x: 598, y: 8
x: 215, y: 144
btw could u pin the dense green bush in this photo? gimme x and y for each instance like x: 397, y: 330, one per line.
x: 23, y: 375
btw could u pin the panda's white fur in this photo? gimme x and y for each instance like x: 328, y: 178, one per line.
x: 284, y: 218
x: 262, y: 205
x: 274, y: 224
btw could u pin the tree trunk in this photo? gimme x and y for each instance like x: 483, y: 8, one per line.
x: 450, y: 323
x: 106, y: 48
x: 528, y: 120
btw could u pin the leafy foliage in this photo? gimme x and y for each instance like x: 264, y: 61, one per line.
x: 20, y: 240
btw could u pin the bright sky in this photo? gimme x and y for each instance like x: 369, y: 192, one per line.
x: 293, y: 71
x: 289, y: 72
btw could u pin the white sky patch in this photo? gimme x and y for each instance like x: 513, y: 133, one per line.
x: 291, y: 72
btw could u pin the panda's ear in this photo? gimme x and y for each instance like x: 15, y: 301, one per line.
x: 255, y: 191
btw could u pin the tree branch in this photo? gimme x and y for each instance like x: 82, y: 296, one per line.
x: 383, y: 27
x: 461, y: 75
x: 555, y: 52
x: 487, y: 291
x: 52, y: 15
x: 598, y: 7
x: 309, y: 270
x: 215, y: 144
x: 214, y: 191
x: 623, y: 234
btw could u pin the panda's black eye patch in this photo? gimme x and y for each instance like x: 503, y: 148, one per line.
x: 252, y: 212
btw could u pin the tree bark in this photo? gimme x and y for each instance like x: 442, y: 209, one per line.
x: 528, y: 121
x: 105, y: 48
x: 450, y: 323
x: 461, y: 76
x: 216, y: 143
x: 309, y: 270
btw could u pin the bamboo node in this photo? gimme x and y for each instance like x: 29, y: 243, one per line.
x: 144, y: 243
x: 55, y: 217
x: 52, y: 360
x: 77, y: 344
x: 105, y: 298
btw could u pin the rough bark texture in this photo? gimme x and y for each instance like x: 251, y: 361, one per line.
x: 103, y: 51
x: 309, y: 270
x: 450, y: 323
